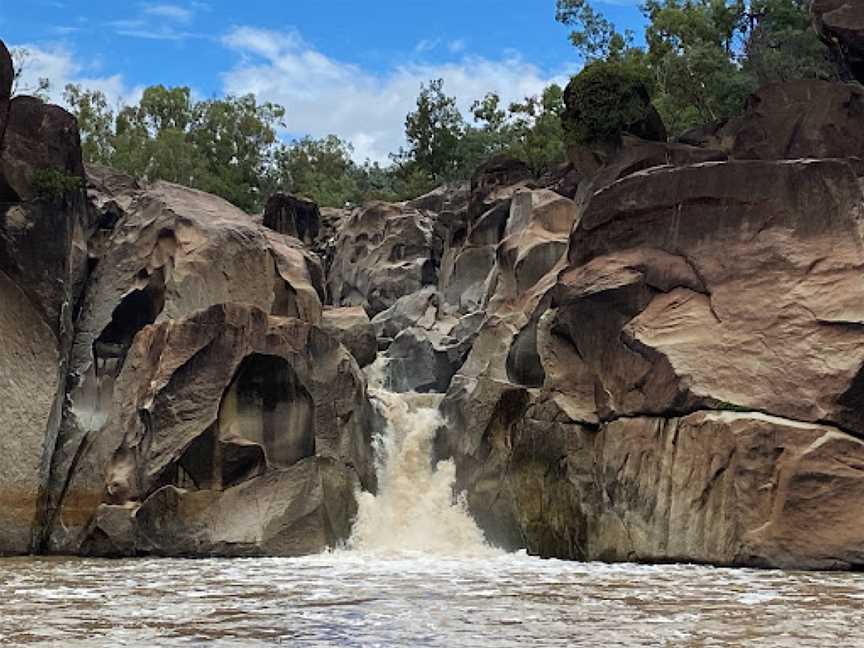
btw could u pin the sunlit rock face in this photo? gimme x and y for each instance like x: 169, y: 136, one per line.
x: 225, y: 402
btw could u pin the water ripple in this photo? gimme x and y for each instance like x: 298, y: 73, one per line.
x: 350, y: 599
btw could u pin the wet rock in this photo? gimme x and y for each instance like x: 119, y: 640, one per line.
x: 351, y: 326
x: 215, y: 402
x: 289, y: 512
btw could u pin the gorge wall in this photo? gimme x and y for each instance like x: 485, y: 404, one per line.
x: 652, y: 355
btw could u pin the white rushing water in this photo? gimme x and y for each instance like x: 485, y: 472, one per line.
x: 415, y: 509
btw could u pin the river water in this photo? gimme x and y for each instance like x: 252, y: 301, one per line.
x: 417, y: 572
x: 351, y: 599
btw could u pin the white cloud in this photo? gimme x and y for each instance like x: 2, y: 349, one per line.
x: 170, y: 11
x: 323, y: 95
x: 59, y: 65
x: 456, y: 46
x: 160, y: 21
x: 427, y: 45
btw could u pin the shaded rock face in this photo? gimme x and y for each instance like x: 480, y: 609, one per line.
x: 351, y: 326
x: 39, y: 139
x: 841, y: 25
x: 42, y: 267
x: 287, y: 512
x: 7, y: 74
x: 227, y: 406
x: 803, y: 119
x: 293, y: 216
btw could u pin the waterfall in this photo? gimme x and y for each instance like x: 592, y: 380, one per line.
x: 415, y: 509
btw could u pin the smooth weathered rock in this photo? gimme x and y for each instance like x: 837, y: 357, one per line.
x: 195, y: 399
x: 384, y: 252
x: 288, y: 512
x: 351, y: 326
x: 423, y: 360
x: 689, y: 284
x: 163, y: 253
x: 417, y: 309
x: 801, y: 119
x: 30, y: 388
x: 728, y: 488
x: 494, y: 181
x: 702, y: 285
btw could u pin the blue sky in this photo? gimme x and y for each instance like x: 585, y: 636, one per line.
x: 349, y: 67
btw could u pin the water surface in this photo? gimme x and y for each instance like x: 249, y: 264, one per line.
x: 350, y: 599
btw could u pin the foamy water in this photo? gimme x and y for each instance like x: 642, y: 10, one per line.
x: 415, y: 508
x: 351, y: 599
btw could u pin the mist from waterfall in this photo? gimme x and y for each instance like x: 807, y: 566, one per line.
x: 415, y: 508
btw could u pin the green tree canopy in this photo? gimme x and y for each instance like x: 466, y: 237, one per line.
x: 225, y: 146
x: 705, y: 57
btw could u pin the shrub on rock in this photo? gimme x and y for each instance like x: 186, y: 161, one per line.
x: 606, y: 99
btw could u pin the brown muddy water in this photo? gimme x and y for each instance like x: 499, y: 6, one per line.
x: 354, y: 599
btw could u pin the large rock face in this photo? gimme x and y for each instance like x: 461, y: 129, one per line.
x: 683, y: 327
x: 678, y: 386
x: 42, y: 267
x: 224, y: 405
x: 163, y: 253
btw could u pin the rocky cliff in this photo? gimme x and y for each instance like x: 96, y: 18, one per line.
x: 654, y: 353
x: 169, y: 382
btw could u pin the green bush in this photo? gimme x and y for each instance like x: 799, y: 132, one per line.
x: 54, y: 183
x: 605, y: 99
